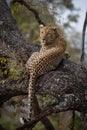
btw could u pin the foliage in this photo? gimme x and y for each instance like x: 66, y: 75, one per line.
x: 4, y: 67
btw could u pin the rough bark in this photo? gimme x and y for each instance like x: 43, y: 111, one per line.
x: 68, y: 83
x: 12, y: 43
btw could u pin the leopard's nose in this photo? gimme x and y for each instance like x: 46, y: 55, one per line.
x: 44, y: 40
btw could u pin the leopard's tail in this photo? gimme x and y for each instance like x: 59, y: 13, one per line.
x: 31, y: 94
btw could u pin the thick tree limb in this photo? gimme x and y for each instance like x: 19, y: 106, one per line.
x: 60, y: 82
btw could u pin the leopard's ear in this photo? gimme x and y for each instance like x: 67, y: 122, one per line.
x: 54, y: 28
x: 41, y: 25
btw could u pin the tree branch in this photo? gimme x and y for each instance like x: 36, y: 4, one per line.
x: 66, y: 104
x: 31, y: 124
x: 83, y: 39
x: 32, y: 9
x: 48, y: 125
x: 47, y: 111
x: 62, y: 82
x: 72, y: 124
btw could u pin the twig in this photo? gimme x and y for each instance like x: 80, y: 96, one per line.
x: 72, y: 124
x: 83, y: 40
x: 31, y: 8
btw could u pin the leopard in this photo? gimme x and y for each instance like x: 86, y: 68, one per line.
x: 53, y: 46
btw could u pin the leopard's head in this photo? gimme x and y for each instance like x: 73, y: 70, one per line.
x: 48, y: 34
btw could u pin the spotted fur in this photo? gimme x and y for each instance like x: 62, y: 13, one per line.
x: 51, y: 53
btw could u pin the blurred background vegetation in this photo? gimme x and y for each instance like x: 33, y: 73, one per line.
x: 52, y: 12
